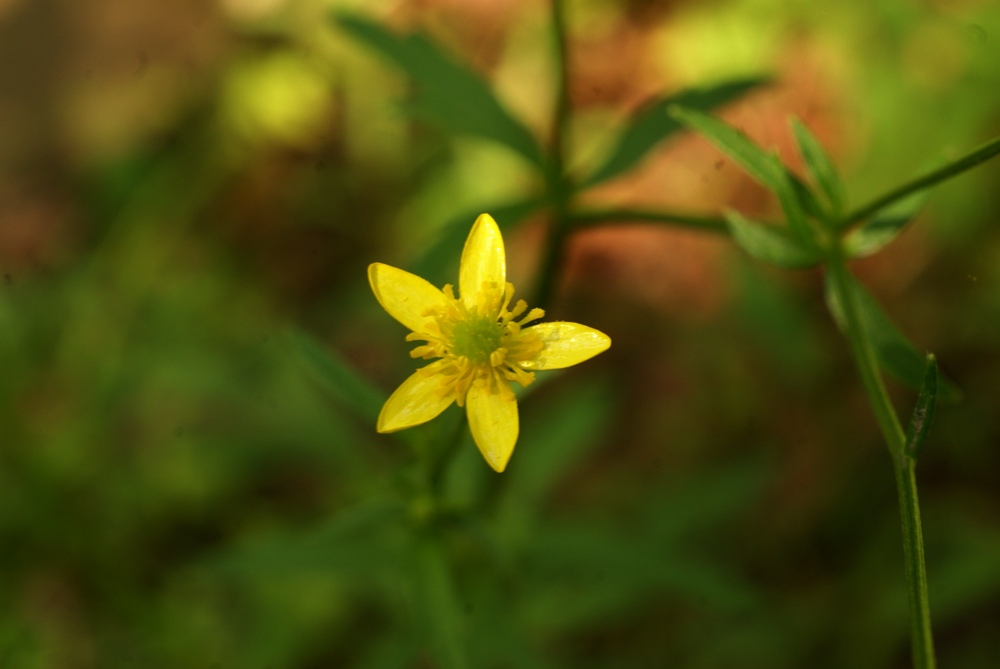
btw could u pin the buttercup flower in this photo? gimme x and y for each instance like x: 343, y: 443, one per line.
x: 481, y: 343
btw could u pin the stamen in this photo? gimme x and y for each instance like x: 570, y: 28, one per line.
x: 518, y: 309
x: 508, y: 295
x: 497, y: 357
x: 515, y: 373
x: 533, y: 315
x: 426, y: 351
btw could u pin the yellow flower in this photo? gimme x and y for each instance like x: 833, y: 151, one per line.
x: 482, y: 344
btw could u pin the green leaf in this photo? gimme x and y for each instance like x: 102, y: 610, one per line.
x: 439, y: 264
x: 734, y: 143
x: 806, y: 198
x: 896, y: 354
x: 763, y: 166
x: 448, y: 93
x: 923, y: 412
x: 771, y: 244
x: 350, y: 387
x: 650, y: 125
x: 884, y: 226
x: 820, y: 167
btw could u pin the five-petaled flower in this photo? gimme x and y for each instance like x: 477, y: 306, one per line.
x: 482, y: 344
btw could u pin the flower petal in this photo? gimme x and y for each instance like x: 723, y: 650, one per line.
x: 566, y: 344
x: 483, y: 261
x: 416, y: 401
x: 493, y: 421
x: 405, y: 296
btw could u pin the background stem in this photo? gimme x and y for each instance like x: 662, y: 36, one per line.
x: 559, y: 188
x: 561, y: 111
x: 603, y: 217
x: 980, y: 155
x: 904, y: 466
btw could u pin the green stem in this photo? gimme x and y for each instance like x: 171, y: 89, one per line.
x: 922, y: 636
x: 595, y: 217
x: 864, y: 357
x: 559, y: 188
x: 560, y: 118
x: 980, y: 155
x: 554, y: 255
x: 904, y: 466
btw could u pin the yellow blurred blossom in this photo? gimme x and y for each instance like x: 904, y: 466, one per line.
x: 481, y: 344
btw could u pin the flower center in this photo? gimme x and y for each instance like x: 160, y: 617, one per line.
x: 486, y: 343
x: 476, y: 338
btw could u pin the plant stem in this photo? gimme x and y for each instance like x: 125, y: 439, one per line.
x: 904, y: 465
x: 559, y: 188
x: 555, y: 253
x: 560, y: 118
x: 980, y: 155
x: 594, y: 217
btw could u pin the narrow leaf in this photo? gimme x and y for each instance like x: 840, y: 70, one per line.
x: 820, y: 167
x: 770, y: 244
x: 448, y: 93
x: 806, y: 198
x: 650, y: 124
x: 350, y: 387
x: 884, y: 226
x: 734, y: 143
x: 763, y: 166
x: 896, y: 354
x: 791, y: 194
x: 923, y: 412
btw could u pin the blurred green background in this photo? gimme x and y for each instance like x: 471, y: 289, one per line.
x: 185, y: 183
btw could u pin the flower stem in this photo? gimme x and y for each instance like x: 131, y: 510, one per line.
x: 980, y: 155
x: 904, y: 465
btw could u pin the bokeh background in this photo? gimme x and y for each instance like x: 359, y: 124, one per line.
x: 185, y: 183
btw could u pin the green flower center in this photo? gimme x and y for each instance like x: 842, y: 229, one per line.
x: 476, y: 338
